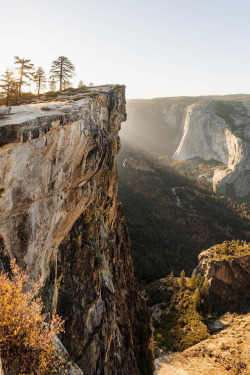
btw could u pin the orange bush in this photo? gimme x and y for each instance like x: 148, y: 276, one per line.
x: 26, y: 339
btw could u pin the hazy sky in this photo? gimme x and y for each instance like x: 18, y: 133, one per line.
x: 155, y: 47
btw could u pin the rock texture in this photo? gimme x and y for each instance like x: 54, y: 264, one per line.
x: 60, y: 218
x: 220, y: 130
x: 229, y: 281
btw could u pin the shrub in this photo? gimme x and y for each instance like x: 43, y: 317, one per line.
x: 26, y: 339
x: 2, y: 191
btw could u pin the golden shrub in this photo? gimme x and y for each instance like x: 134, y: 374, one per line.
x: 26, y: 338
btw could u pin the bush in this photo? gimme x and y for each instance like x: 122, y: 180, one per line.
x: 26, y: 339
x: 2, y: 191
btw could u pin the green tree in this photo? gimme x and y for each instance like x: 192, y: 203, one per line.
x: 197, y: 298
x: 192, y: 282
x: 9, y: 87
x: 25, y: 70
x: 61, y: 71
x: 171, y: 279
x: 204, y: 291
x: 81, y: 84
x: 52, y: 84
x: 40, y: 79
x: 183, y: 281
x: 199, y: 280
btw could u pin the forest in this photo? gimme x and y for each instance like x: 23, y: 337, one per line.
x: 171, y: 216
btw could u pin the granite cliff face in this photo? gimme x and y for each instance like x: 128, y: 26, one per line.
x: 156, y: 124
x: 60, y: 218
x: 220, y: 130
x: 228, y: 279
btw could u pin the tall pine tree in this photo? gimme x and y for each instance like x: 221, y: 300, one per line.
x: 61, y: 71
x: 25, y: 70
x: 39, y: 79
x: 9, y: 88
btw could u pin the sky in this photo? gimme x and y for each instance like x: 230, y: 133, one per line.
x: 157, y: 48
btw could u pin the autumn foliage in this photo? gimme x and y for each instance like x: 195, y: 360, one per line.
x: 26, y: 335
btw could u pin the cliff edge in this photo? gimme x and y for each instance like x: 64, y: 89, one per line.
x: 226, y: 267
x: 60, y: 218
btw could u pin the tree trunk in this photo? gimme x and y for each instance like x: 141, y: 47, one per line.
x: 20, y: 85
x: 39, y: 85
x: 61, y: 76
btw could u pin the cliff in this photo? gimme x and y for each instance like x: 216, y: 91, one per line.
x: 156, y: 124
x: 226, y: 267
x: 61, y: 219
x: 220, y: 130
x: 214, y: 128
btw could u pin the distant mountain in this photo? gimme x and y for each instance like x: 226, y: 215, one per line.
x: 171, y: 210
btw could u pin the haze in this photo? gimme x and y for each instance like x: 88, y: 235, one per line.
x: 156, y: 48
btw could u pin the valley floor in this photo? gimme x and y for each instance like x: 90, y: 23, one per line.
x: 224, y: 353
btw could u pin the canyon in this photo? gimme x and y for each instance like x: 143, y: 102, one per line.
x: 212, y: 128
x: 61, y: 219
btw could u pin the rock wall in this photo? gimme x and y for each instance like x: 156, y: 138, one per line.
x: 220, y: 130
x: 60, y: 218
x: 156, y: 124
x: 229, y: 281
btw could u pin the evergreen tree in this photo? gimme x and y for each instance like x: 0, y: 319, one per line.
x: 197, y: 298
x: 205, y: 289
x: 25, y: 70
x: 192, y: 282
x: 62, y: 70
x: 199, y: 280
x: 52, y: 84
x: 67, y: 85
x: 9, y: 88
x: 171, y: 279
x: 183, y: 281
x: 39, y: 79
x: 81, y: 84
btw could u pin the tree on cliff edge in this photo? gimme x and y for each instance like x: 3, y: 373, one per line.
x: 25, y: 70
x: 9, y: 88
x: 39, y: 79
x: 62, y: 70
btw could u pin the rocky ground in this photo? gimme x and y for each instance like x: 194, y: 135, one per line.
x: 226, y: 352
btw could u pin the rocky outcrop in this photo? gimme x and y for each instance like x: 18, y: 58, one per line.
x: 60, y: 218
x: 227, y: 353
x: 220, y: 130
x: 228, y: 280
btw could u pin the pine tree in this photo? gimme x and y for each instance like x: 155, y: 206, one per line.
x: 171, y: 279
x: 25, y: 70
x: 183, y: 280
x: 81, y: 84
x: 197, y: 298
x: 62, y: 70
x: 192, y: 282
x: 52, y: 84
x: 39, y: 79
x: 9, y: 88
x: 67, y: 85
x: 199, y: 280
x: 205, y: 289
